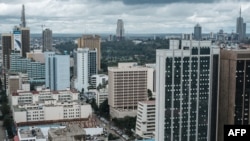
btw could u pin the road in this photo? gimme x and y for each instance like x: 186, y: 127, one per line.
x: 108, y: 129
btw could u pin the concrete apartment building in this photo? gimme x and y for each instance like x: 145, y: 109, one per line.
x: 92, y: 42
x: 234, y: 96
x: 36, y: 55
x: 127, y: 86
x: 100, y: 95
x: 145, y: 121
x: 45, y: 105
x: 98, y: 79
x: 17, y: 81
x: 187, y: 91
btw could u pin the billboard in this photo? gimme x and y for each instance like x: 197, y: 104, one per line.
x: 17, y: 40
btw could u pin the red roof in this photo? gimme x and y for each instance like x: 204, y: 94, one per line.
x: 16, y: 138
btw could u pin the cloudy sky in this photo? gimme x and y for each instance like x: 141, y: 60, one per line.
x: 139, y: 16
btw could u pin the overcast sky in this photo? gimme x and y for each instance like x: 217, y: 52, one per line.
x: 139, y: 16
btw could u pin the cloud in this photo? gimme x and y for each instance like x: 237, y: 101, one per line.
x: 100, y: 16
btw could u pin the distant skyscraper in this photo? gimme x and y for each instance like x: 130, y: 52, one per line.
x: 120, y: 30
x: 23, y: 21
x: 47, y: 40
x: 241, y: 28
x: 186, y: 91
x: 57, y: 71
x: 234, y: 96
x: 7, y: 46
x: 85, y: 66
x: 91, y: 42
x: 25, y: 41
x: 197, y: 32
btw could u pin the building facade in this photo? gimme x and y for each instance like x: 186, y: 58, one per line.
x: 127, y: 86
x: 35, y: 70
x: 92, y: 42
x: 85, y: 66
x: 44, y: 104
x: 51, y: 110
x: 47, y: 40
x: 187, y: 91
x: 7, y: 46
x: 98, y: 79
x: 234, y: 96
x: 57, y: 71
x: 25, y: 34
x: 145, y: 121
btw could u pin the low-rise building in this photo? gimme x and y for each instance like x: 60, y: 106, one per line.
x: 98, y: 79
x: 51, y: 110
x: 70, y: 133
x: 40, y: 95
x: 30, y: 134
x: 145, y: 122
x: 47, y: 105
x: 100, y: 95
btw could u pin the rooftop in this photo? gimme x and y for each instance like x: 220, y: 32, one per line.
x: 151, y: 102
x: 31, y: 133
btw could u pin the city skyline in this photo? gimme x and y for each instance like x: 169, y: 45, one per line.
x: 98, y: 16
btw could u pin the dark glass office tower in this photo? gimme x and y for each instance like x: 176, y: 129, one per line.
x: 187, y: 91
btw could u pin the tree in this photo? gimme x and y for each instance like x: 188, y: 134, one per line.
x: 104, y: 109
x: 126, y: 124
x: 94, y: 105
x: 150, y: 95
x: 5, y: 109
x: 112, y: 137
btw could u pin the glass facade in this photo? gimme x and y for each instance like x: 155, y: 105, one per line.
x: 35, y: 70
x: 187, y: 95
x: 242, y: 92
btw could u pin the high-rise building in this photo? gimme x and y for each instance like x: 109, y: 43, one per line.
x: 241, y: 27
x: 35, y: 70
x: 145, y: 121
x: 197, y: 32
x: 47, y: 40
x: 23, y: 21
x: 187, y: 91
x: 91, y: 42
x: 127, y: 86
x: 57, y: 71
x: 120, y: 30
x: 25, y: 33
x: 85, y: 66
x: 7, y: 46
x: 234, y: 93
